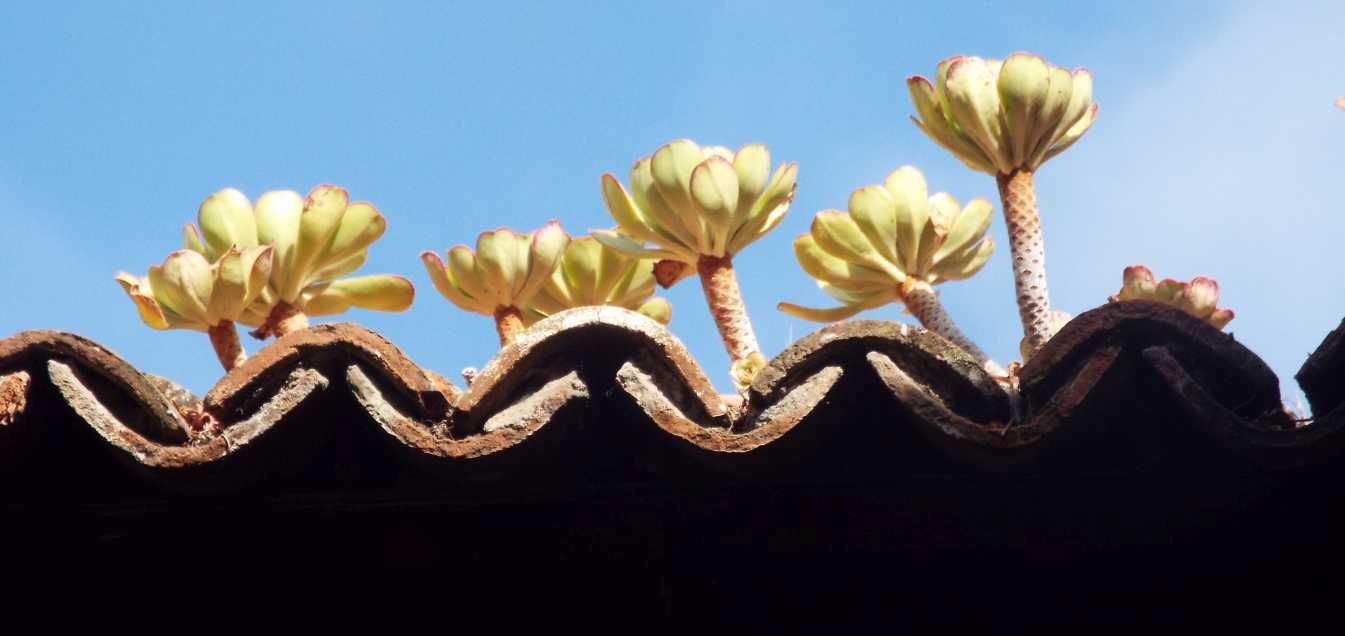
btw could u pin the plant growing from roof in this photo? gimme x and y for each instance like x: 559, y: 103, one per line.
x: 502, y: 276
x: 699, y: 207
x: 1197, y: 297
x: 189, y: 292
x: 315, y: 241
x: 1058, y: 321
x: 895, y: 243
x: 590, y: 273
x: 1006, y: 118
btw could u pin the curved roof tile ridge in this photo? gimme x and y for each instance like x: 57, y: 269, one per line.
x: 1119, y: 351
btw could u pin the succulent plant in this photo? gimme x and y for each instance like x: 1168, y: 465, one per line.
x: 895, y: 243
x: 189, y: 292
x: 316, y: 241
x: 1058, y: 321
x: 1006, y: 118
x: 591, y: 273
x: 1197, y: 297
x: 502, y: 276
x: 698, y: 207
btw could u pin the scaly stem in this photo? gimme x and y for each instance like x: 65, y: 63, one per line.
x: 224, y: 338
x: 283, y: 319
x: 726, y: 305
x: 509, y: 323
x: 1029, y: 255
x: 920, y: 299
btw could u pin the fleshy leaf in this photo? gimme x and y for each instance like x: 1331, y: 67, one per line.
x: 547, y: 246
x: 965, y: 264
x: 873, y: 209
x: 752, y: 163
x: 837, y: 233
x: 226, y: 220
x: 969, y: 225
x: 183, y: 285
x: 318, y: 223
x: 658, y: 309
x: 191, y: 239
x: 277, y: 215
x: 1023, y: 83
x: 910, y: 196
x: 714, y: 188
x: 974, y: 103
x: 381, y: 292
x: 139, y: 292
x: 361, y: 225
x: 439, y: 277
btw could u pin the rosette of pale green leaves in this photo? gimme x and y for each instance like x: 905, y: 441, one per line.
x: 315, y: 240
x: 189, y: 292
x: 997, y: 116
x: 1198, y: 297
x: 689, y: 201
x: 506, y: 270
x: 590, y: 273
x: 894, y: 235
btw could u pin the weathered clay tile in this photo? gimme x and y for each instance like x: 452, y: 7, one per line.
x: 250, y: 426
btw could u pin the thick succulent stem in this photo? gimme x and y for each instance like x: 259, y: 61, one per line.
x: 509, y: 323
x: 1028, y: 254
x: 925, y: 306
x: 283, y: 319
x: 224, y: 338
x: 726, y: 305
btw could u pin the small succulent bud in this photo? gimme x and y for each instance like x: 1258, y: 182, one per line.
x: 316, y: 240
x: 744, y: 370
x: 590, y: 273
x: 998, y: 116
x: 690, y: 201
x: 503, y: 274
x: 1197, y: 297
x: 895, y: 236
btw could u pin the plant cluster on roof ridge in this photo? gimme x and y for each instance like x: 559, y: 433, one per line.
x: 269, y: 266
x: 896, y: 243
x: 686, y: 209
x: 1197, y: 297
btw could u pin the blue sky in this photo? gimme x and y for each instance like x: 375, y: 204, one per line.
x: 1217, y: 149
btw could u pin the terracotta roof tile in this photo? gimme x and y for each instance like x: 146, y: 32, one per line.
x: 857, y: 398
